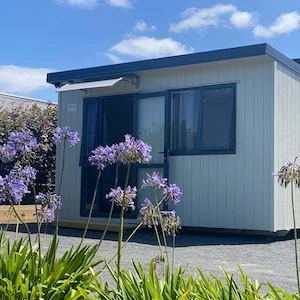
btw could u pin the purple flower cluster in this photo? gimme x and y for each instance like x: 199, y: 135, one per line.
x: 129, y: 151
x: 149, y: 214
x: 133, y: 151
x: 50, y: 203
x: 170, y: 222
x: 290, y: 171
x: 171, y: 193
x: 155, y: 181
x: 103, y: 156
x: 123, y: 198
x: 28, y: 174
x: 65, y: 133
x: 14, y: 186
x: 21, y: 142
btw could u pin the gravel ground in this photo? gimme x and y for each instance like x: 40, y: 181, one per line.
x: 267, y: 259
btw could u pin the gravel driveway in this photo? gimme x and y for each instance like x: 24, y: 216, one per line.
x: 264, y: 258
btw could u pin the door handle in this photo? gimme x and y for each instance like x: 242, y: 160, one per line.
x: 166, y: 154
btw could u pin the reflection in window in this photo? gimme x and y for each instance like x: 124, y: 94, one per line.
x: 203, y: 119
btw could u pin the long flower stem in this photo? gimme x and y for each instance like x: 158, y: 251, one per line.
x: 162, y: 229
x: 62, y: 167
x: 91, y: 210
x: 8, y: 221
x: 60, y: 182
x: 295, y: 236
x: 158, y: 238
x: 121, y: 226
x: 28, y: 233
x: 38, y: 228
x: 130, y: 237
x: 173, y: 249
x: 120, y: 240
x: 18, y: 224
x: 111, y: 209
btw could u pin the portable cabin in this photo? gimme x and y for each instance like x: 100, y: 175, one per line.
x: 220, y: 123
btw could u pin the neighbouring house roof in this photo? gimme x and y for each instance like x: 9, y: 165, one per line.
x: 129, y: 69
x: 9, y: 99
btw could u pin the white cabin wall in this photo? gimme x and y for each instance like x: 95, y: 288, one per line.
x: 286, y: 141
x: 71, y: 180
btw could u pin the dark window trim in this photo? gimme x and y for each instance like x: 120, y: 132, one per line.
x: 232, y: 147
x: 151, y: 95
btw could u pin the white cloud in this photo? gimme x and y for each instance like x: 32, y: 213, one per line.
x: 285, y: 23
x: 142, y: 26
x: 242, y: 19
x: 114, y: 58
x: 80, y: 3
x: 119, y: 3
x: 194, y: 18
x: 214, y: 16
x: 15, y: 79
x: 143, y: 47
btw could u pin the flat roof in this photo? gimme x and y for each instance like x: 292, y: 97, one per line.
x: 130, y: 68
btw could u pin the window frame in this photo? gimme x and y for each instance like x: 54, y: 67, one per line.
x: 232, y: 145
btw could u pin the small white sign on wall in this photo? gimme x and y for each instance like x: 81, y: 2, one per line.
x: 72, y: 107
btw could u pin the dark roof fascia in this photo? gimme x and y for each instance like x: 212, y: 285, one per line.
x: 129, y: 69
x: 125, y: 69
x: 278, y: 56
x: 297, y: 60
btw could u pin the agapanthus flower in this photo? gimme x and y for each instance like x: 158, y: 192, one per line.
x: 65, y: 133
x: 103, y: 156
x: 171, y: 193
x: 22, y: 142
x: 154, y: 180
x: 123, y: 198
x: 170, y: 222
x: 7, y: 154
x: 149, y: 214
x: 28, y: 174
x: 50, y: 203
x: 288, y: 172
x: 13, y: 187
x: 133, y: 151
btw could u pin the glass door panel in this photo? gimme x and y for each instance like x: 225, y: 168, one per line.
x: 151, y: 125
x: 151, y: 129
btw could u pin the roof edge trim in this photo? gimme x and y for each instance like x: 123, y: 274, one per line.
x: 124, y: 69
x: 278, y: 56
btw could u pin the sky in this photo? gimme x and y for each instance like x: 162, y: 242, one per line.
x: 42, y: 36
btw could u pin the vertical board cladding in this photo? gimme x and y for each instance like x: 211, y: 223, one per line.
x: 70, y: 114
x: 286, y: 140
x: 233, y: 191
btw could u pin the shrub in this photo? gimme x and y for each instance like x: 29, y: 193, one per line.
x: 68, y: 277
x: 41, y: 122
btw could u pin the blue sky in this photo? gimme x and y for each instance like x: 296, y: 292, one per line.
x: 39, y: 36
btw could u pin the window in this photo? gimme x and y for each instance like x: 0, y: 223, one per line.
x: 203, y: 120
